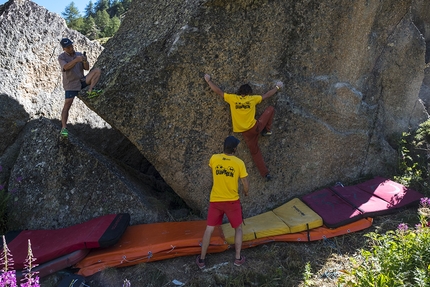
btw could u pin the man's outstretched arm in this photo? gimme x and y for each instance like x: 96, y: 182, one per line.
x: 214, y: 87
x: 273, y: 91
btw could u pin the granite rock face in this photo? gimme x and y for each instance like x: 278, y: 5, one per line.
x: 29, y: 70
x: 68, y: 183
x: 56, y: 183
x: 352, y: 74
x: 421, y: 18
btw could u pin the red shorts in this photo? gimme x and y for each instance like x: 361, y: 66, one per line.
x: 232, y: 209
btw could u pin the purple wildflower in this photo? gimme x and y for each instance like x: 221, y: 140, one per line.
x: 403, y: 227
x: 425, y: 202
x: 1, y: 187
x: 7, y: 277
x: 33, y: 282
x: 19, y: 178
x: 6, y: 260
x: 29, y: 279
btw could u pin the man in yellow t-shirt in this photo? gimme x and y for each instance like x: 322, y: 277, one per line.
x: 227, y: 169
x: 242, y: 108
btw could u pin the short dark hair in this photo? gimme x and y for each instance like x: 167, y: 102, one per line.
x: 230, y: 144
x: 244, y: 90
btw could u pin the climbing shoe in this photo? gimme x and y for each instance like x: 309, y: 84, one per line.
x: 266, y: 133
x: 94, y: 93
x: 240, y: 261
x: 64, y: 132
x: 200, y: 262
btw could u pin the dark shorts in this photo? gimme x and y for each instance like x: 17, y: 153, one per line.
x: 72, y: 94
x: 232, y: 209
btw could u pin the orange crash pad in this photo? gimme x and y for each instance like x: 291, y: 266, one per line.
x: 152, y: 242
x: 319, y: 233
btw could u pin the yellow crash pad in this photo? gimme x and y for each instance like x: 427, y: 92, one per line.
x: 298, y: 216
x: 259, y: 226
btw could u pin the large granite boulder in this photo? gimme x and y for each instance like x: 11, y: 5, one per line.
x: 29, y: 68
x: 58, y: 182
x: 352, y: 74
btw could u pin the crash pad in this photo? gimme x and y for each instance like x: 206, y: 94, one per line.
x: 395, y: 194
x: 56, y: 264
x: 52, y: 244
x: 293, y: 216
x: 298, y: 216
x: 340, y: 205
x: 319, y: 233
x: 151, y: 242
x: 262, y: 225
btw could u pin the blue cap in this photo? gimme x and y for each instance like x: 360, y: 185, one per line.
x: 65, y: 42
x: 231, y: 142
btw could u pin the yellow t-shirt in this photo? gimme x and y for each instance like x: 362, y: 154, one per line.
x: 226, y: 171
x: 242, y: 111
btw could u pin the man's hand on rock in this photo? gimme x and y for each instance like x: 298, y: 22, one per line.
x: 207, y: 77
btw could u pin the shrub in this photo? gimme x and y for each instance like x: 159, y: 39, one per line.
x: 396, y: 258
x: 414, y: 154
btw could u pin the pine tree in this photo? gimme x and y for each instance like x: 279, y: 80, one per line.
x: 102, y: 20
x: 72, y: 16
x: 112, y: 27
x: 89, y: 10
x: 102, y: 5
x: 90, y: 29
x: 126, y: 4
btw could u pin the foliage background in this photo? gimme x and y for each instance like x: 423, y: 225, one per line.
x: 100, y: 20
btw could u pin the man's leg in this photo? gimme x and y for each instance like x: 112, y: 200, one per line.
x: 92, y: 78
x: 234, y: 215
x: 238, y: 237
x: 206, y: 240
x: 266, y: 119
x: 65, y: 112
x: 251, y: 139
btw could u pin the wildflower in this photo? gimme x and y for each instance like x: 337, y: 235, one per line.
x: 425, y: 202
x: 30, y: 280
x: 127, y: 283
x: 1, y: 187
x: 19, y: 178
x: 402, y: 227
x: 7, y: 277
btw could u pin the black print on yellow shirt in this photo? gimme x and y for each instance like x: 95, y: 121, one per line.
x: 245, y: 105
x: 220, y: 170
